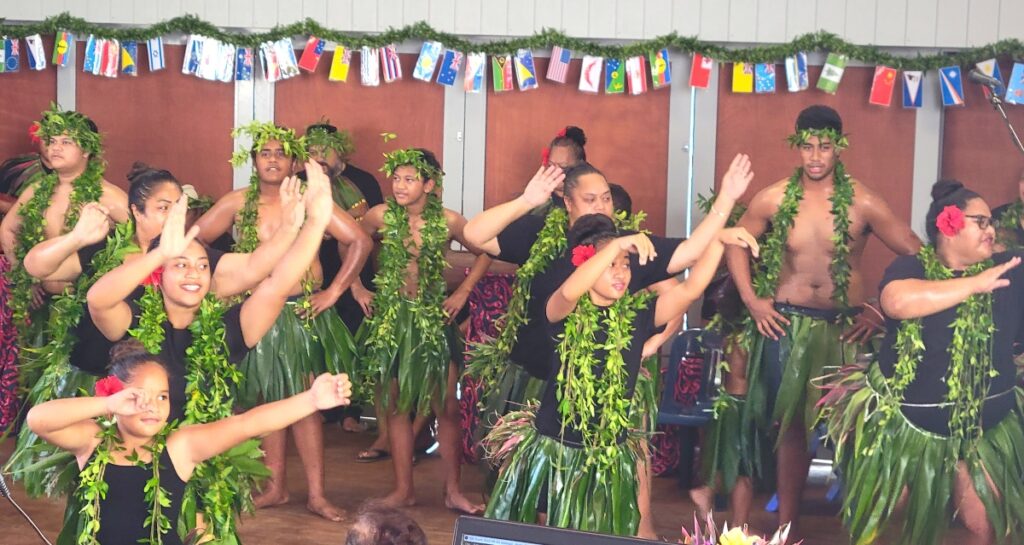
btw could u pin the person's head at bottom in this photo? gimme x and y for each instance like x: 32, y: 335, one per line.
x: 379, y: 525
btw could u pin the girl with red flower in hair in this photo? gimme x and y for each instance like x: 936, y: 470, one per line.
x: 130, y: 459
x: 939, y: 412
x: 577, y: 442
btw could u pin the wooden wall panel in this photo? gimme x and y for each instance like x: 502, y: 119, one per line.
x: 165, y: 119
x: 880, y: 153
x: 23, y: 97
x: 977, y: 149
x: 412, y: 109
x: 627, y: 138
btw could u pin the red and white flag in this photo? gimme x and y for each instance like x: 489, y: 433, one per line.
x: 558, y: 68
x: 700, y: 71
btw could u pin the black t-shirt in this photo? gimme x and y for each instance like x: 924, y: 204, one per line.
x: 549, y: 420
x: 177, y: 341
x: 929, y: 386
x: 366, y: 183
x: 533, y: 339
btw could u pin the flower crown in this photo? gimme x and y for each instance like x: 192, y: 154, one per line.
x: 262, y: 132
x: 56, y: 122
x: 414, y: 158
x: 839, y: 141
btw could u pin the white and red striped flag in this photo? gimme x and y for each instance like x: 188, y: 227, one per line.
x: 558, y: 68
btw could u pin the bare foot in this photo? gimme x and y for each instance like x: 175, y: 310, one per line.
x: 270, y: 498
x: 457, y: 501
x: 326, y: 509
x: 647, y: 531
x: 397, y: 499
x: 703, y: 498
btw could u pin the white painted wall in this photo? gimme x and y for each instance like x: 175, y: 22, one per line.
x: 892, y: 23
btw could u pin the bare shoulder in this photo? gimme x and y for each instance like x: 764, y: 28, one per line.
x: 453, y: 218
x: 113, y: 192
x: 863, y: 195
x: 767, y: 201
x: 233, y: 200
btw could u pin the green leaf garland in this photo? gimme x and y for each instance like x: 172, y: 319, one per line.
x: 421, y: 31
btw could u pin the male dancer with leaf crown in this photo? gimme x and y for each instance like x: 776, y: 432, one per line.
x: 304, y: 341
x: 803, y: 298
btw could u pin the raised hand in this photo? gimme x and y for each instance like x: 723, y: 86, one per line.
x: 989, y: 280
x: 319, y: 204
x: 93, y: 224
x: 329, y: 391
x: 543, y: 183
x: 173, y: 238
x: 737, y: 178
x: 739, y: 236
x: 638, y: 244
x: 293, y: 209
x: 128, y: 402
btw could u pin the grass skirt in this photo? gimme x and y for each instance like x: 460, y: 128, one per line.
x: 538, y: 471
x: 781, y: 390
x: 734, y: 447
x: 284, y: 361
x: 881, y: 454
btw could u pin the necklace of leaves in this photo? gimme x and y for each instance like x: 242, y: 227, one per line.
x: 209, y: 382
x: 427, y: 308
x: 766, y: 278
x: 92, y: 487
x: 597, y: 406
x: 86, y: 188
x: 970, y: 353
x: 489, y: 359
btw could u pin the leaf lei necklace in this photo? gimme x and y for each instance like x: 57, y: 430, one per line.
x: 428, y: 307
x: 970, y: 353
x: 1009, y: 220
x: 597, y: 406
x: 488, y: 359
x: 87, y: 187
x: 92, y: 488
x: 766, y: 278
x: 209, y: 382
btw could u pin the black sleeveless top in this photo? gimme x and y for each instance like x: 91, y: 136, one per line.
x: 123, y: 512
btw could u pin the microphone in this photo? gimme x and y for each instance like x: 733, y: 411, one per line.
x: 977, y: 77
x: 6, y: 492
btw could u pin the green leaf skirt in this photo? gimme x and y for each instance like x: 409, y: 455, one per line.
x: 734, y: 447
x: 881, y: 454
x: 290, y: 355
x: 539, y: 474
x: 780, y: 373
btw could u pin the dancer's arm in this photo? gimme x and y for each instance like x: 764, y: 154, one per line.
x: 563, y: 301
x: 734, y: 184
x: 354, y: 247
x: 260, y: 310
x: 914, y: 298
x: 55, y: 259
x: 11, y: 224
x: 69, y: 423
x: 894, y: 233
x: 482, y: 231
x: 191, y: 445
x: 106, y: 298
x: 221, y: 216
x: 457, y: 299
x: 678, y: 299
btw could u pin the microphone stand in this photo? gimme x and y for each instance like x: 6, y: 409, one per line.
x: 997, y: 103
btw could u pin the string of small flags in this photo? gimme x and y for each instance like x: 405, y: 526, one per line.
x: 211, y: 59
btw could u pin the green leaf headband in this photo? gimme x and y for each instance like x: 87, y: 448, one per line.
x: 261, y: 133
x: 56, y: 122
x: 339, y: 141
x: 839, y: 141
x: 414, y: 158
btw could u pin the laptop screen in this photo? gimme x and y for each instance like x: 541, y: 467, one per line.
x: 480, y: 531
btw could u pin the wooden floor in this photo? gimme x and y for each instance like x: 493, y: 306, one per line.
x: 349, y: 484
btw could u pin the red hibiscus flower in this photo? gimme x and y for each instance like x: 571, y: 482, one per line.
x: 950, y: 221
x: 33, y: 132
x: 582, y: 253
x: 108, y: 386
x: 561, y: 133
x: 545, y: 155
x: 154, y: 278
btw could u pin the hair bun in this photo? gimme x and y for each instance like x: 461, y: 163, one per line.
x: 138, y: 168
x: 126, y: 348
x: 945, y: 188
x: 589, y: 227
x: 576, y: 135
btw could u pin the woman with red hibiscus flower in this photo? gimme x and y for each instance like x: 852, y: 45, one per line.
x: 939, y: 413
x: 572, y: 461
x: 134, y: 467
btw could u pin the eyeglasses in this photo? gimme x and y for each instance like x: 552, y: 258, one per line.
x: 983, y: 221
